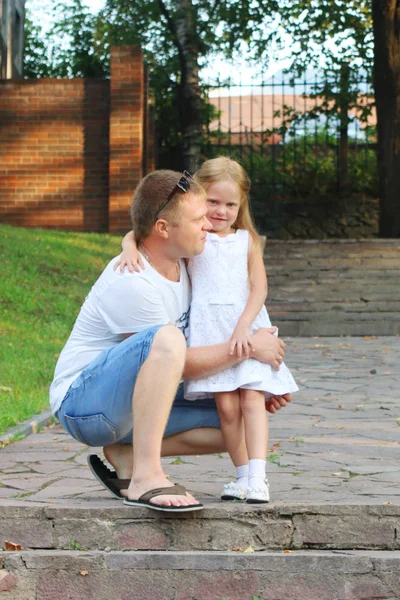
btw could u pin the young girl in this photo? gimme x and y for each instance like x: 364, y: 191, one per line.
x: 229, y: 288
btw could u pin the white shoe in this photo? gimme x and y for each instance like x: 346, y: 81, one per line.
x: 233, y: 491
x: 258, y: 493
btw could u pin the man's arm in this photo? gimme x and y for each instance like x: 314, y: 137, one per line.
x: 206, y: 360
x: 124, y: 316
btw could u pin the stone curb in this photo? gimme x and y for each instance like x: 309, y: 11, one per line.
x: 31, y: 425
x: 219, y: 528
x: 46, y: 575
x: 301, y: 561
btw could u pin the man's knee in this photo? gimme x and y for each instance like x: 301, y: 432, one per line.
x: 169, y: 344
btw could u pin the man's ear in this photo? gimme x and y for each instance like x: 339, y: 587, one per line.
x: 162, y: 228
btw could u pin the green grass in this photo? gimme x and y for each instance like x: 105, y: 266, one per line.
x: 45, y: 277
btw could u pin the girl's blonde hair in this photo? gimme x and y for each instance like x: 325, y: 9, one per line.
x: 221, y: 169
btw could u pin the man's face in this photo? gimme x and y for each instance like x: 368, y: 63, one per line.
x: 188, y: 238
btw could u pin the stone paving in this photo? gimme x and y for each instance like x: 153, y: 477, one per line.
x: 338, y: 443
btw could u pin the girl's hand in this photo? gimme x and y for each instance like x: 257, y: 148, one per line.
x: 131, y: 259
x: 241, y: 341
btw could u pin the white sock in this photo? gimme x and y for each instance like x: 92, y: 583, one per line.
x: 242, y: 474
x: 257, y: 467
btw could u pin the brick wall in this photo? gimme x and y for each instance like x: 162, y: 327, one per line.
x: 71, y: 151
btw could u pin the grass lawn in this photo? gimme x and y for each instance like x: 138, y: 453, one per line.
x: 44, y: 280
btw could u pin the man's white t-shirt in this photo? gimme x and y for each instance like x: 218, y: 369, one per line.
x: 116, y: 304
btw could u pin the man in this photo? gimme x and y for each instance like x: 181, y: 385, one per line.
x: 117, y: 379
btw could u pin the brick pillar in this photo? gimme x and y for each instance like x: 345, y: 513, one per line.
x: 149, y: 138
x: 127, y: 89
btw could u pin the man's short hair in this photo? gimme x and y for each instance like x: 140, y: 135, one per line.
x: 152, y: 194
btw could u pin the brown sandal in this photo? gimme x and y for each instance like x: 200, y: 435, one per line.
x: 175, y: 490
x: 107, y: 477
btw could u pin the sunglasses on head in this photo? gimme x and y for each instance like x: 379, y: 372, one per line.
x: 183, y: 185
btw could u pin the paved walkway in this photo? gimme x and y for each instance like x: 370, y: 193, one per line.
x: 338, y: 443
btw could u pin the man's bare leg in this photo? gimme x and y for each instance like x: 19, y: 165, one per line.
x: 153, y: 396
x: 204, y: 440
x: 194, y: 441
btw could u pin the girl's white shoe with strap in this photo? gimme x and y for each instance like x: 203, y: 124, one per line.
x: 233, y: 491
x: 258, y: 490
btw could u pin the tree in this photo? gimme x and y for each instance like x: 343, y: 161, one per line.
x: 36, y: 61
x: 70, y: 49
x: 336, y: 39
x: 386, y: 14
x: 82, y: 56
x: 179, y: 37
x: 366, y: 35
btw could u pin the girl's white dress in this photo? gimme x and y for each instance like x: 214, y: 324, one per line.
x: 220, y: 290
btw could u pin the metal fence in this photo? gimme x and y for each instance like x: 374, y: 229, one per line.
x: 297, y: 137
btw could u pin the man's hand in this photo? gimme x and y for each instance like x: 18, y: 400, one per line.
x: 268, y: 348
x: 275, y: 403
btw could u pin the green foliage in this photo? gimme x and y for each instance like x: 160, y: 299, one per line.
x: 76, y: 546
x: 71, y: 49
x: 36, y: 61
x: 45, y: 278
x: 327, y: 34
x: 335, y: 38
x: 82, y: 56
x: 79, y: 46
x: 215, y: 26
x: 304, y: 166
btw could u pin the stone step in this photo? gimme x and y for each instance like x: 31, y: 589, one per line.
x: 335, y: 293
x: 334, y: 327
x: 303, y: 255
x: 332, y: 262
x: 285, y: 272
x: 296, y: 307
x: 302, y: 575
x: 221, y: 527
x: 282, y: 276
x: 324, y: 316
x: 340, y: 247
x: 319, y: 288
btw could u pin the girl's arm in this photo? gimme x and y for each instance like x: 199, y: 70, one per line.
x: 241, y: 337
x: 130, y: 256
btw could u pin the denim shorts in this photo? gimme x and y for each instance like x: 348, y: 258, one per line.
x: 97, y: 408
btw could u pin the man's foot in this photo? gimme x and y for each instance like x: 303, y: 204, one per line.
x: 107, y: 477
x: 145, y: 500
x: 139, y: 488
x: 120, y: 456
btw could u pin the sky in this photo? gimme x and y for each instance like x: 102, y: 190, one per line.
x: 95, y: 5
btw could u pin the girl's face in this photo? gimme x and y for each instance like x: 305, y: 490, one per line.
x: 223, y: 203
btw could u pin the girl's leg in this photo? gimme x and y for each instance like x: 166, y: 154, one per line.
x: 255, y: 419
x: 252, y: 404
x: 228, y: 405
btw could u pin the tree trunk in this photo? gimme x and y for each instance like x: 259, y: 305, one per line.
x: 190, y: 105
x: 386, y: 19
x: 344, y: 129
